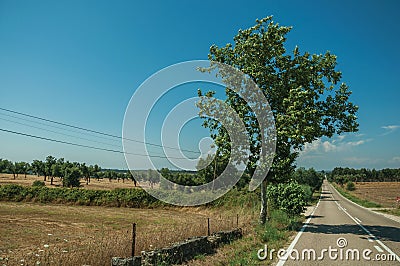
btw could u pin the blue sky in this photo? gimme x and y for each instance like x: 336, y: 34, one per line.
x: 79, y: 62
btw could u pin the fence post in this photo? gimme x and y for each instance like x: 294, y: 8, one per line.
x: 133, y: 239
x: 208, y: 226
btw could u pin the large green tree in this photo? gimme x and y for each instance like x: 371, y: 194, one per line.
x: 303, y: 90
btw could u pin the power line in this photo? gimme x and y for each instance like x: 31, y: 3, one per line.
x: 52, y: 131
x: 86, y: 146
x: 48, y: 130
x: 53, y: 126
x: 94, y: 131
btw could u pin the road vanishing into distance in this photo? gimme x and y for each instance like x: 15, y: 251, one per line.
x: 339, y: 232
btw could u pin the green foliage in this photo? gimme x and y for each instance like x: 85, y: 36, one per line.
x: 309, y: 177
x: 6, y: 166
x: 343, y: 175
x: 392, y: 211
x: 304, y: 92
x: 289, y: 197
x: 236, y: 198
x: 135, y: 198
x: 308, y: 192
x: 71, y: 177
x: 350, y: 186
x: 38, y: 183
x: 272, y: 233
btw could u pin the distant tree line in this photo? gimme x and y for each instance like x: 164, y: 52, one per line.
x: 69, y: 172
x: 209, y: 169
x: 343, y: 175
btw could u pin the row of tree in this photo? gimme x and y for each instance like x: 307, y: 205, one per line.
x: 343, y: 175
x: 72, y: 172
x: 69, y: 172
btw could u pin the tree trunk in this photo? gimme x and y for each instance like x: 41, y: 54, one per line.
x: 264, y: 203
x: 51, y: 180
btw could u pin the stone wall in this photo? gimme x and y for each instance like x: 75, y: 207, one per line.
x: 182, y: 251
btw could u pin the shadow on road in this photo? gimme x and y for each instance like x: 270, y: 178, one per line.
x: 327, y: 198
x: 314, y: 216
x: 386, y: 233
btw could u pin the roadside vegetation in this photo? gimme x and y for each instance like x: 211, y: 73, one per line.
x: 369, y: 187
x: 391, y: 211
x: 342, y: 175
x: 362, y: 202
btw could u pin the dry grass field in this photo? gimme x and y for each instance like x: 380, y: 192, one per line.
x: 103, y: 184
x: 384, y: 193
x: 51, y: 234
x: 37, y: 234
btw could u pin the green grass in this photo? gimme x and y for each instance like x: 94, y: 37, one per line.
x: 315, y: 197
x: 392, y: 211
x: 362, y: 202
x: 275, y: 234
x: 137, y: 198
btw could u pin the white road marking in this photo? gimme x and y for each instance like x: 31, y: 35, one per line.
x: 370, y: 239
x: 340, y: 208
x: 379, y: 249
x: 294, y: 242
x: 357, y: 219
x: 371, y: 235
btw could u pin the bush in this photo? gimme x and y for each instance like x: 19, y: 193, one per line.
x: 350, y: 186
x: 289, y: 197
x: 137, y: 198
x: 308, y: 193
x: 38, y: 183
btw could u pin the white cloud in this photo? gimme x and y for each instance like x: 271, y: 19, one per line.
x: 327, y: 146
x: 390, y: 129
x: 335, y: 145
x: 395, y: 159
x: 313, y: 146
x: 356, y: 143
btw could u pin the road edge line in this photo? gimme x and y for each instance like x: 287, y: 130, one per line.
x: 283, y: 260
x: 368, y: 209
x: 365, y: 229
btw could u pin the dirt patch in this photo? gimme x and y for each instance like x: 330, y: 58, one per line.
x: 384, y: 193
x: 101, y: 184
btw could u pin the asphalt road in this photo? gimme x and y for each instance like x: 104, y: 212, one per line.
x: 339, y: 232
